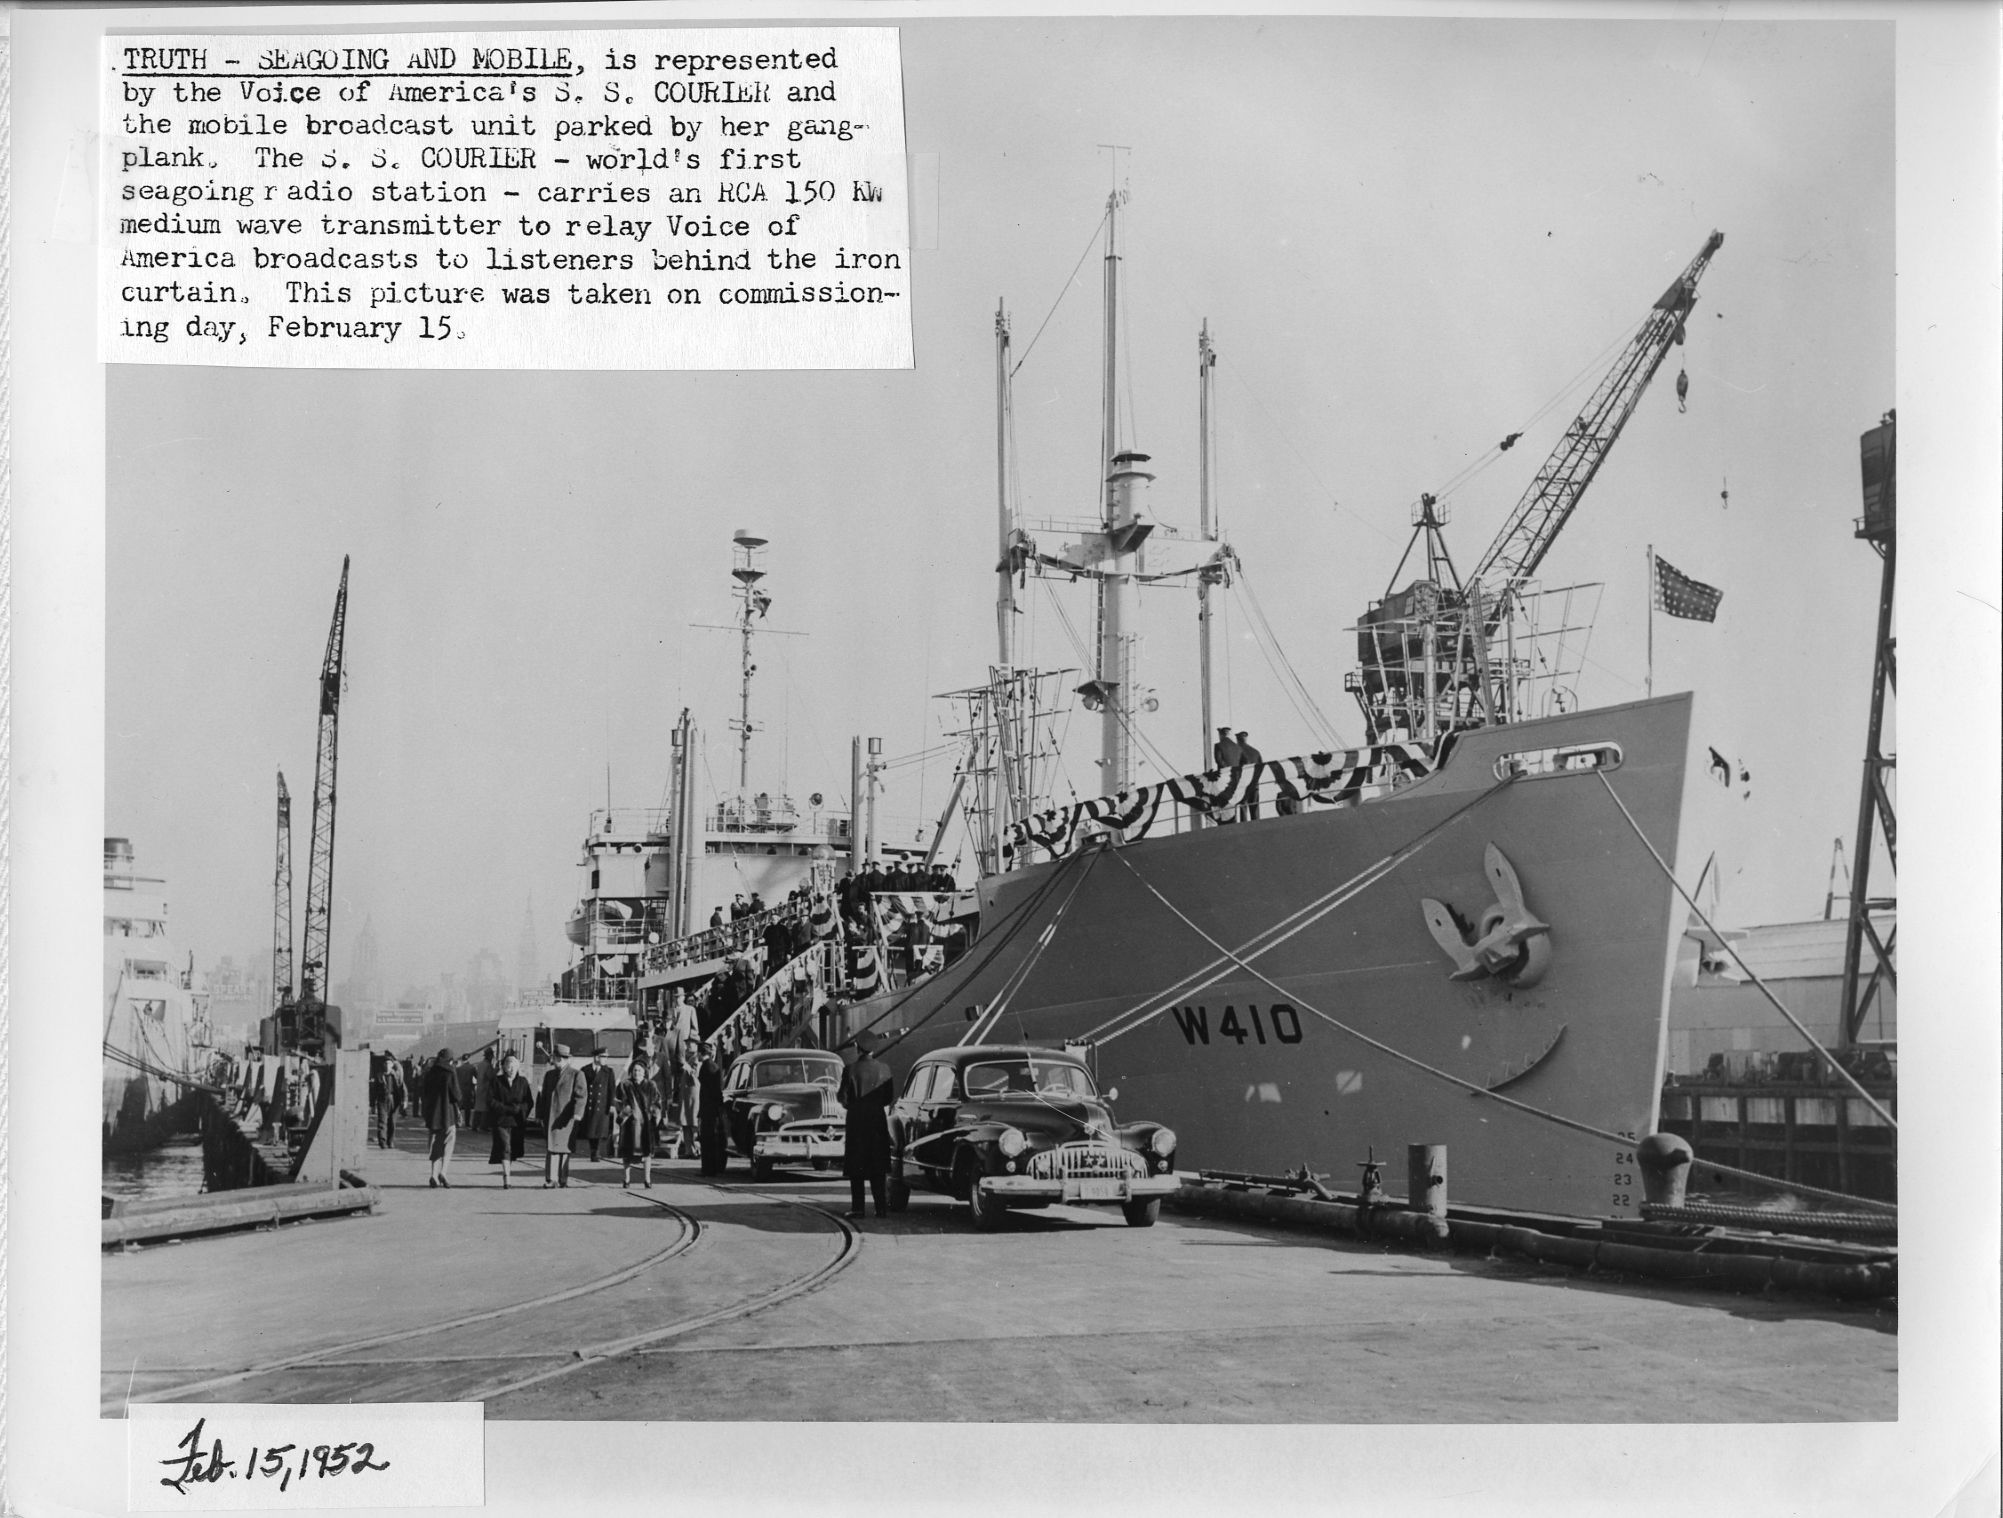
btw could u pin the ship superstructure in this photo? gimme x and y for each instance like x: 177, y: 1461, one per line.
x: 157, y: 1039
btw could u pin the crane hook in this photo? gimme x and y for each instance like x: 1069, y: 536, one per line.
x: 1682, y: 389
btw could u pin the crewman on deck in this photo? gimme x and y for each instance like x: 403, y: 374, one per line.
x: 1251, y: 757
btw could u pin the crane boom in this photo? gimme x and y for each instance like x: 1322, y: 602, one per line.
x: 281, y: 902
x: 1553, y: 495
x: 320, y: 864
x: 1426, y: 655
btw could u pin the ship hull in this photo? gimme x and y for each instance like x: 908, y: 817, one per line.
x: 1252, y: 1070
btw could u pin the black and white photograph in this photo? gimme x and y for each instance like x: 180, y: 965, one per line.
x: 1285, y: 845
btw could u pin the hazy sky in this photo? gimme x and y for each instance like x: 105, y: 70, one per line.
x: 1407, y: 236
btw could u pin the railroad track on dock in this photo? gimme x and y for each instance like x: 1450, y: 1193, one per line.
x: 692, y: 1231
x: 849, y: 1242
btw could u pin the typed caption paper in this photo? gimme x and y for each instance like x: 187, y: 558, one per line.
x: 716, y: 199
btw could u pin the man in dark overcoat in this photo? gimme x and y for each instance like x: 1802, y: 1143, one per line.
x: 596, y: 1124
x: 867, y: 1091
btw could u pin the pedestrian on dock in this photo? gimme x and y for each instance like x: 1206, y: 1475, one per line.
x: 562, y: 1104
x: 438, y: 1106
x: 597, y: 1120
x: 389, y: 1101
x: 483, y: 1086
x: 713, y: 1136
x: 465, y: 1083
x: 637, y: 1105
x: 280, y: 1110
x: 509, y: 1102
x: 867, y: 1091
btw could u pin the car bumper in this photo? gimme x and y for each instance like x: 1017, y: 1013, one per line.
x: 783, y: 1148
x: 1087, y: 1191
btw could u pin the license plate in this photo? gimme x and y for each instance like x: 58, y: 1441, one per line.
x: 1098, y: 1191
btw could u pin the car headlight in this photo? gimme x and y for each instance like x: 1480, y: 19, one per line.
x: 1162, y: 1141
x: 1011, y: 1142
x: 776, y: 1113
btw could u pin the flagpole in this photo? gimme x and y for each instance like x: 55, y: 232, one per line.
x: 1649, y: 688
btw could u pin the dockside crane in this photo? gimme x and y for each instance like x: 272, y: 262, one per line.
x: 1418, y: 648
x: 281, y: 903
x: 303, y: 1023
x: 313, y: 983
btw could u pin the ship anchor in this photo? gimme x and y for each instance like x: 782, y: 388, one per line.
x: 1509, y: 943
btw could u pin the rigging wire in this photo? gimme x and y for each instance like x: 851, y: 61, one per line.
x: 1288, y: 676
x: 1090, y: 243
x: 1152, y: 755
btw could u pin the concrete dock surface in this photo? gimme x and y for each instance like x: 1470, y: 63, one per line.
x: 733, y: 1301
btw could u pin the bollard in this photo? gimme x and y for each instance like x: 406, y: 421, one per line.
x: 1665, y: 1168
x: 1426, y: 1186
x: 1369, y: 1189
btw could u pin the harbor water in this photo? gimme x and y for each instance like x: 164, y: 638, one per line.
x: 174, y: 1169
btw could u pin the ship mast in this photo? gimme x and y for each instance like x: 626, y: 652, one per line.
x: 1124, y: 526
x: 752, y: 603
x: 1206, y: 362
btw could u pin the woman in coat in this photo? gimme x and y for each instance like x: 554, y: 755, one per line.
x: 509, y: 1102
x: 562, y: 1103
x: 637, y: 1106
x: 437, y: 1103
x: 867, y: 1090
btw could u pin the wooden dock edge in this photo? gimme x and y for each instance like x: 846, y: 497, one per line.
x: 1745, y: 1266
x: 221, y: 1211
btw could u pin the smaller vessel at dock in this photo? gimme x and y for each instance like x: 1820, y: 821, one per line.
x: 157, y: 1042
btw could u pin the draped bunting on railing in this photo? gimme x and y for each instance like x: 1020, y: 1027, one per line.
x: 770, y: 1006
x: 1321, y: 779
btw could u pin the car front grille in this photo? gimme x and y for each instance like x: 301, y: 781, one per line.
x: 1070, y: 1162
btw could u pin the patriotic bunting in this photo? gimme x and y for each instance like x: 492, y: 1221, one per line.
x: 1327, y: 779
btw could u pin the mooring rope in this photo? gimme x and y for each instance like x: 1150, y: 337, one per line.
x: 978, y: 957
x: 1575, y: 1124
x: 1278, y: 933
x: 1758, y: 984
x: 987, y: 1021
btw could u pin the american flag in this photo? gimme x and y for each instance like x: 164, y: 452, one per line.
x: 1680, y: 596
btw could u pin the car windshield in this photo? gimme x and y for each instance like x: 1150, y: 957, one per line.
x: 617, y: 1042
x: 826, y: 1071
x: 1025, y: 1075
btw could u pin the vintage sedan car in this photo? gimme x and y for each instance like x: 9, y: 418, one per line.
x: 1005, y: 1127
x: 780, y: 1107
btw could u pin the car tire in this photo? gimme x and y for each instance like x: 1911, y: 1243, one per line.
x: 985, y: 1211
x: 761, y: 1170
x: 1141, y: 1212
x: 898, y: 1195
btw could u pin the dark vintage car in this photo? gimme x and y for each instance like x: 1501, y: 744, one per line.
x: 781, y: 1109
x: 1022, y: 1127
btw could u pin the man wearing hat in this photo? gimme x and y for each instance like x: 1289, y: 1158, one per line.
x: 597, y: 1120
x: 441, y: 1115
x: 562, y: 1103
x: 713, y: 1136
x: 867, y: 1091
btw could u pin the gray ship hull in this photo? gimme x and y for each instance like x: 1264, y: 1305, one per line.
x: 1259, y: 1079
